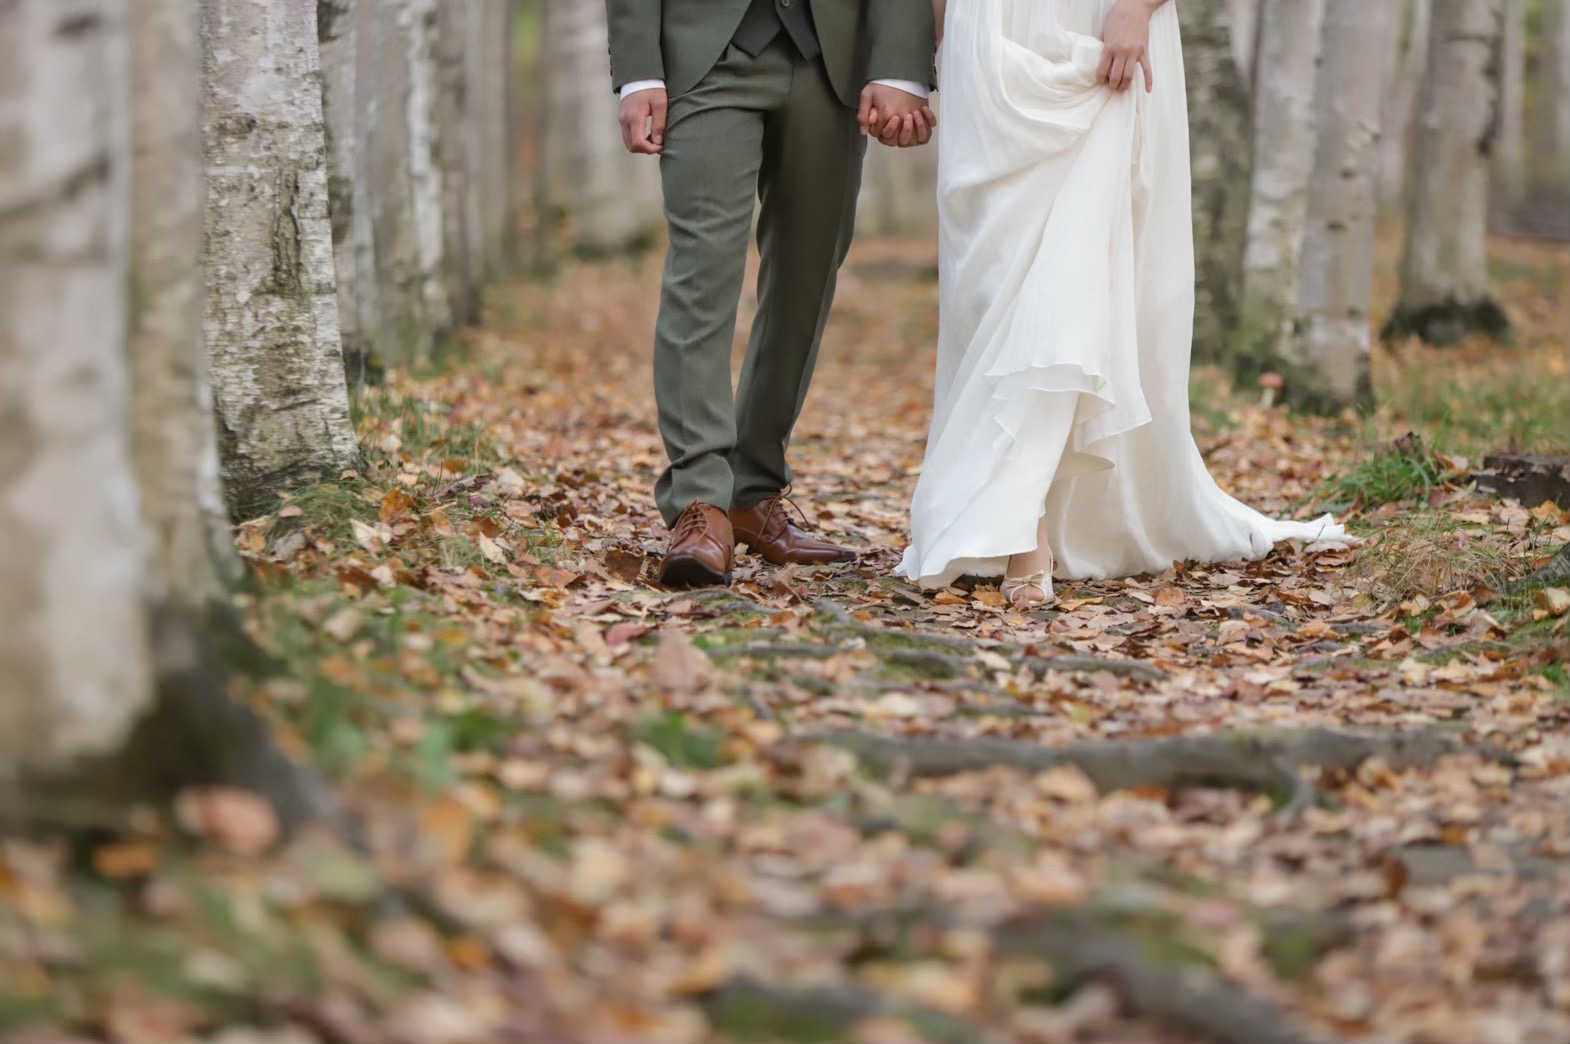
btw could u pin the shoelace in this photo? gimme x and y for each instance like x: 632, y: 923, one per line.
x: 690, y: 522
x: 784, y: 495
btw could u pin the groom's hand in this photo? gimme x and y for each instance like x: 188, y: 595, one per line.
x: 643, y: 121
x: 896, y: 118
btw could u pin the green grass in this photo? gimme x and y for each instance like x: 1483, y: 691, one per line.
x: 1385, y: 476
x: 1432, y: 554
x: 329, y: 509
x: 1477, y: 417
x: 1559, y: 676
x: 683, y: 745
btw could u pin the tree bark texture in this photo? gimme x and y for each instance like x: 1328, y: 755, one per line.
x: 1328, y: 366
x: 272, y: 308
x: 1444, y: 273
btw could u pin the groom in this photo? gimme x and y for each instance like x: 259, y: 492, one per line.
x: 765, y: 98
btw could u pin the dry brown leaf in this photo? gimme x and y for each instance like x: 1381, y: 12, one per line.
x: 237, y: 820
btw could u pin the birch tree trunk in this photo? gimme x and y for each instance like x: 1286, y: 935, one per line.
x: 272, y: 310
x: 1284, y: 147
x: 491, y: 75
x: 1552, y: 133
x: 1247, y: 17
x: 475, y: 144
x: 172, y: 429
x: 1328, y: 367
x: 109, y: 696
x: 1220, y: 135
x: 1400, y: 118
x: 418, y: 21
x: 611, y: 197
x: 1510, y: 158
x: 1444, y: 274
x: 74, y: 671
x: 344, y: 34
x: 418, y: 106
x: 193, y: 734
x: 398, y: 107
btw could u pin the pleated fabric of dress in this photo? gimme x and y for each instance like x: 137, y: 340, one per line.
x: 1067, y: 294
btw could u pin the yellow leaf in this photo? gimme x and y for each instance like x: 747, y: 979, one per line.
x: 1555, y: 601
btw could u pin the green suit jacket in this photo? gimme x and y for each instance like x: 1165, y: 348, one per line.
x: 679, y: 41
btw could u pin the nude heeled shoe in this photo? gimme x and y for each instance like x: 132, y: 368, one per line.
x: 1030, y: 592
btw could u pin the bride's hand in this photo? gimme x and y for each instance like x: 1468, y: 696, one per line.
x: 1126, y: 37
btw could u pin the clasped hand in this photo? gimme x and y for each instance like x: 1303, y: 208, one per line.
x: 896, y: 118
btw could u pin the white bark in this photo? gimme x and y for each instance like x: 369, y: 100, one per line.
x: 457, y: 41
x: 1552, y: 135
x: 1400, y: 119
x: 1284, y: 147
x: 1444, y: 274
x: 612, y: 197
x: 494, y: 75
x: 348, y: 86
x: 272, y: 310
x: 1247, y: 17
x: 1328, y: 366
x: 173, y: 434
x: 408, y: 182
x: 417, y: 20
x: 73, y: 654
x: 1510, y: 157
x: 419, y: 117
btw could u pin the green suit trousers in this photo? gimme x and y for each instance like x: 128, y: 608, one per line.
x: 769, y: 127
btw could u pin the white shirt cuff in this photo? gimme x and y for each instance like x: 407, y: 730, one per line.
x: 641, y: 85
x: 920, y: 90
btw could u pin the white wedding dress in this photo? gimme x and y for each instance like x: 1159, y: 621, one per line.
x: 1067, y: 291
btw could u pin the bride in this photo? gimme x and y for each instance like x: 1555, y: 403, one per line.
x: 1060, y: 440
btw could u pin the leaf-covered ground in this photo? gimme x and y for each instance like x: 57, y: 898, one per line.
x: 1325, y: 796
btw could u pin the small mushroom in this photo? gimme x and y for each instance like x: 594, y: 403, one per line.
x: 1270, y: 385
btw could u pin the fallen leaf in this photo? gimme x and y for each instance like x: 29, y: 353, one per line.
x: 344, y: 624
x: 679, y: 665
x: 1555, y: 601
x: 237, y: 820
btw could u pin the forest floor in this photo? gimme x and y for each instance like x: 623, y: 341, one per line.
x: 1325, y: 796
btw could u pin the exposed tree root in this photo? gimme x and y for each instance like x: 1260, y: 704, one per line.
x: 1145, y: 962
x: 842, y: 619
x: 195, y: 735
x: 777, y: 651
x: 1135, y: 669
x: 1187, y: 996
x: 746, y: 1009
x: 720, y: 599
x: 1447, y: 322
x: 925, y: 651
x: 1264, y: 762
x: 1556, y: 572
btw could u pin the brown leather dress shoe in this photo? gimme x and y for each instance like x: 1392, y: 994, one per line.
x: 768, y: 529
x: 702, y: 549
